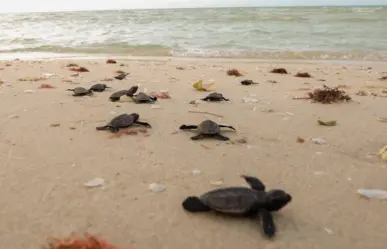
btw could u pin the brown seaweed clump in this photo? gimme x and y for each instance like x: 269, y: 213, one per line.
x: 303, y: 75
x: 110, y: 61
x: 329, y: 95
x: 87, y: 242
x: 234, y: 72
x: 279, y: 71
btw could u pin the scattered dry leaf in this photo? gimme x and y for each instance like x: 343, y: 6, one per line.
x: 327, y: 123
x: 382, y: 119
x: 383, y: 78
x: 32, y: 79
x: 303, y: 75
x: 120, y: 71
x: 160, y: 95
x: 55, y: 125
x: 234, y: 72
x: 72, y: 65
x: 180, y: 68
x: 79, y: 69
x: 46, y: 86
x: 107, y: 79
x: 279, y: 71
x: 300, y: 140
x: 110, y: 61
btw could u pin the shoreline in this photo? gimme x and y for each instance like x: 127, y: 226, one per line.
x: 39, y: 56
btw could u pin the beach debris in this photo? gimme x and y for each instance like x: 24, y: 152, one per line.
x: 329, y: 231
x: 382, y: 119
x: 215, y: 97
x: 45, y: 86
x: 55, y: 125
x: 248, y: 82
x: 111, y: 61
x: 99, y: 87
x: 96, y: 182
x: 161, y: 94
x: 373, y: 193
x: 362, y: 93
x: 228, y: 201
x: 250, y: 100
x: 383, y: 153
x: 74, y: 75
x: 120, y: 71
x: 156, y: 107
x: 196, y: 172
x: 72, y: 65
x: 272, y: 81
x: 80, y: 91
x: 279, y: 71
x: 321, y: 80
x: 328, y: 95
x: 216, y: 183
x: 125, y: 98
x: 383, y: 78
x: 300, y: 140
x: 107, y: 79
x: 234, y: 72
x: 155, y: 187
x: 79, y: 69
x: 123, y: 121
x: 87, y: 241
x: 29, y: 91
x: 318, y: 141
x: 327, y: 123
x: 32, y: 79
x: 208, y: 113
x: 268, y: 110
x: 121, y: 76
x: 303, y: 75
x: 199, y: 86
x: 180, y: 68
x: 2, y: 82
x: 207, y: 129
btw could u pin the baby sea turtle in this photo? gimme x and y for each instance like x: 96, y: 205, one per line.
x: 215, y: 97
x: 143, y: 98
x: 248, y: 82
x: 117, y: 95
x: 80, y: 91
x: 242, y: 201
x: 99, y: 87
x: 123, y: 121
x: 207, y: 128
x: 121, y: 76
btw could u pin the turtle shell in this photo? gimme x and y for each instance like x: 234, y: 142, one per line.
x: 117, y: 95
x: 217, y: 96
x: 208, y: 127
x: 234, y: 200
x: 122, y: 121
x: 132, y: 91
x: 98, y: 87
x: 79, y: 91
x: 143, y: 98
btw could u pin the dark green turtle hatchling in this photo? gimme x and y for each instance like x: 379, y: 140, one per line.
x: 248, y: 82
x: 123, y: 121
x: 121, y: 76
x: 141, y: 98
x: 243, y: 202
x: 207, y: 128
x: 99, y: 87
x: 80, y: 91
x: 117, y: 95
x: 215, y: 97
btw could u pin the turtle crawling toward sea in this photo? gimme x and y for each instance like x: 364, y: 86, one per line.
x: 99, y: 87
x: 207, y: 128
x: 80, y: 91
x: 117, y: 95
x: 123, y: 121
x: 215, y: 97
x: 141, y: 98
x: 242, y: 201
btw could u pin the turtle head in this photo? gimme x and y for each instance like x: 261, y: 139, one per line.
x: 135, y: 116
x: 277, y: 199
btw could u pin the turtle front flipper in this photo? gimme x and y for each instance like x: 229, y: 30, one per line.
x: 70, y: 90
x: 102, y: 128
x: 194, y: 204
x: 188, y: 127
x: 228, y: 126
x: 143, y: 124
x: 206, y: 99
x: 221, y: 137
x: 225, y: 99
x: 254, y: 183
x: 268, y: 225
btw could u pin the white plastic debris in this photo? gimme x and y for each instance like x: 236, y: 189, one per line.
x: 329, y: 231
x: 96, y: 182
x: 196, y: 172
x: 373, y: 193
x: 289, y: 113
x: 155, y: 187
x: 318, y: 141
x: 156, y: 107
x: 29, y: 91
x: 250, y: 100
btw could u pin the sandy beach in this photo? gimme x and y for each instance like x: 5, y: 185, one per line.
x: 50, y: 148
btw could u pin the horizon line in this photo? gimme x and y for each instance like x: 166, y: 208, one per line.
x: 200, y: 7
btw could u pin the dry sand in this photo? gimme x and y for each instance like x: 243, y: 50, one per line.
x: 43, y: 168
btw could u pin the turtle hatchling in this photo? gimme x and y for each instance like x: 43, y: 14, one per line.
x: 243, y: 202
x: 144, y: 98
x: 99, y: 87
x: 117, y: 95
x: 123, y: 121
x: 121, y: 76
x: 80, y: 91
x: 248, y: 82
x: 207, y: 128
x: 215, y: 97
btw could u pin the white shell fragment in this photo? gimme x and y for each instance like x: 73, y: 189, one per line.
x: 154, y: 187
x: 96, y: 182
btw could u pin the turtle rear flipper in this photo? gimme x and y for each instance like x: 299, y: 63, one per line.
x: 254, y: 183
x: 198, y: 137
x: 143, y: 123
x: 225, y: 99
x: 268, y: 225
x: 227, y: 126
x: 221, y: 137
x: 188, y: 127
x: 194, y: 204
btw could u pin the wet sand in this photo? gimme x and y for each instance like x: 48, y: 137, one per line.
x: 43, y: 166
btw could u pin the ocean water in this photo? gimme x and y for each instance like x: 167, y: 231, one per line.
x: 327, y: 33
